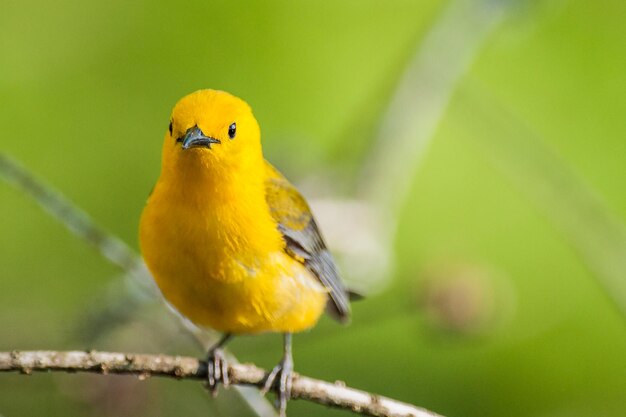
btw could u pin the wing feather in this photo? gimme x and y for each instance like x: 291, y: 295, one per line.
x: 303, y: 240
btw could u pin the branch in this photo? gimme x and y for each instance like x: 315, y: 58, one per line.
x: 144, y: 366
x: 118, y: 305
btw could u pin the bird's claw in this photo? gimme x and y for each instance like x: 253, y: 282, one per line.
x: 284, y: 373
x: 217, y: 370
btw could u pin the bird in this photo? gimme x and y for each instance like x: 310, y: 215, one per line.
x: 232, y: 245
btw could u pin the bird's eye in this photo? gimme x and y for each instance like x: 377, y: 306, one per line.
x: 170, y: 128
x: 232, y: 130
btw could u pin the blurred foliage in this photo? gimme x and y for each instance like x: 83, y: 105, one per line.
x: 86, y: 89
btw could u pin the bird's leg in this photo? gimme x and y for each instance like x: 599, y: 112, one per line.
x: 283, y: 371
x: 217, y: 366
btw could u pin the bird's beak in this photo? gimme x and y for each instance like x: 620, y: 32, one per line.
x: 194, y: 138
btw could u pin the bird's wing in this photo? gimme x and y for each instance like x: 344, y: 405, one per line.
x: 303, y: 240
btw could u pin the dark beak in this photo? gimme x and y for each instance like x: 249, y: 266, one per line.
x: 194, y: 138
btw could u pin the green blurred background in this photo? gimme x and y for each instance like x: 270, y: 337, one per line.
x: 507, y: 294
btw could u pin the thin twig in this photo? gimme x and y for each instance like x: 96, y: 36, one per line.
x: 68, y: 213
x: 144, y: 366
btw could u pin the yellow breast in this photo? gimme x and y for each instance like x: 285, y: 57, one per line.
x: 218, y: 259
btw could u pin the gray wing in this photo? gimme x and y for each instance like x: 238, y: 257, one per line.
x: 303, y: 240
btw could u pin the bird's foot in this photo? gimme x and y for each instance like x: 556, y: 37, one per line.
x: 281, y: 377
x: 217, y: 370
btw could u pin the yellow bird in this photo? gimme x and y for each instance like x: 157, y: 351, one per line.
x: 232, y: 245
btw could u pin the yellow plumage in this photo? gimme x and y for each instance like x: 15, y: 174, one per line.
x: 231, y: 244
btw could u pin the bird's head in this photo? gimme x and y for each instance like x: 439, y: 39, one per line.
x: 213, y: 130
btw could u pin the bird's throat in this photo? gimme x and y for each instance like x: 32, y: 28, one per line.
x: 228, y: 209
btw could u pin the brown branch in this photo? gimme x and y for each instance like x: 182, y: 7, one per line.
x: 144, y: 366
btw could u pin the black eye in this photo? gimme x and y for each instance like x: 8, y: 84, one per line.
x: 170, y: 128
x: 232, y: 130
